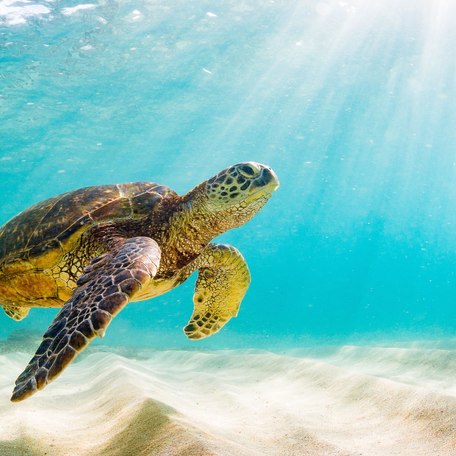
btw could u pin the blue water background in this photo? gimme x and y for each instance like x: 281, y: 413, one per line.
x: 351, y: 102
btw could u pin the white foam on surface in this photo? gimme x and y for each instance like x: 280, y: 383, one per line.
x: 75, y: 9
x: 17, y: 12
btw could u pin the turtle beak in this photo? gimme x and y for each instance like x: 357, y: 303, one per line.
x: 267, y: 180
x: 272, y: 176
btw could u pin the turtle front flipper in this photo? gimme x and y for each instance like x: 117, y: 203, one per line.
x: 110, y: 282
x: 223, y: 279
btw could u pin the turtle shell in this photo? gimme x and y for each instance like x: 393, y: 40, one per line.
x: 55, y: 224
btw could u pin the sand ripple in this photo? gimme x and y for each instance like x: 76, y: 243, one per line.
x: 340, y: 401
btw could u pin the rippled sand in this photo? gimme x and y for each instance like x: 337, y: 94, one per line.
x: 345, y: 400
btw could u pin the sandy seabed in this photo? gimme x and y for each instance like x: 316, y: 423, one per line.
x: 347, y: 400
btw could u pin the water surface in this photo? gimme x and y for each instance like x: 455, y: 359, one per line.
x: 351, y: 102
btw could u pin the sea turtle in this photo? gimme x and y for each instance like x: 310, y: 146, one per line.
x: 93, y: 250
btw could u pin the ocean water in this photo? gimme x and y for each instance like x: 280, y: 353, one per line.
x: 351, y: 102
x: 345, y: 342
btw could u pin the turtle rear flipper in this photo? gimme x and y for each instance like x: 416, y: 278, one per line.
x: 108, y: 285
x: 16, y: 312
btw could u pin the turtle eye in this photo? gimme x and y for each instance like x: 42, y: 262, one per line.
x: 248, y: 170
x: 207, y: 273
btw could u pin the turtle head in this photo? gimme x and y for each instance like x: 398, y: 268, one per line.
x: 236, y: 194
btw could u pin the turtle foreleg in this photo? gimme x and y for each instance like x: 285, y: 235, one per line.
x: 223, y: 279
x: 109, y: 283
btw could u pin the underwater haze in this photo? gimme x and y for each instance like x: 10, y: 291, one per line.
x: 352, y: 103
x: 345, y: 343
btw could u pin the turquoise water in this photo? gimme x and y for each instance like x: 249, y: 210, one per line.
x: 351, y: 102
